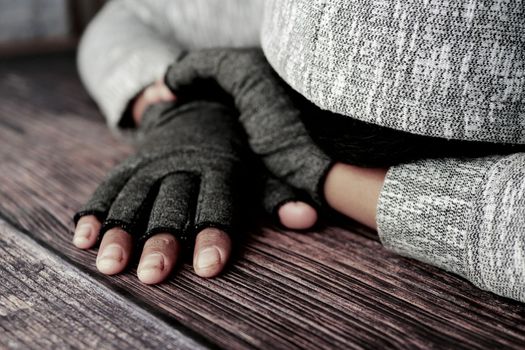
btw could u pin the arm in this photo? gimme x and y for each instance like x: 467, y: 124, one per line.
x: 126, y: 48
x: 466, y: 216
x: 130, y: 43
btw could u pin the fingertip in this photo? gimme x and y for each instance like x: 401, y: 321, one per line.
x: 212, y: 251
x: 166, y: 94
x: 86, y: 232
x: 151, y: 277
x: 297, y: 215
x: 158, y: 259
x: 110, y: 265
x: 152, y: 271
x: 114, y: 252
x: 209, y: 262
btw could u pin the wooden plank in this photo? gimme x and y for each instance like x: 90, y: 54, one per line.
x: 336, y: 288
x: 42, y: 46
x: 46, y: 303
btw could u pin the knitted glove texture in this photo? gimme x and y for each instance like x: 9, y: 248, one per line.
x: 186, y: 176
x: 267, y: 112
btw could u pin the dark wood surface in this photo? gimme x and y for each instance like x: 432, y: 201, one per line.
x: 46, y: 303
x: 336, y: 288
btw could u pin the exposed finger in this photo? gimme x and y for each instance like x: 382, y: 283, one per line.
x: 212, y: 251
x: 297, y: 215
x: 158, y: 258
x: 86, y: 232
x: 165, y: 93
x: 114, y: 252
x: 283, y: 201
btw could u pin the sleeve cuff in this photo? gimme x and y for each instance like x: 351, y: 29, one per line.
x: 120, y: 53
x: 466, y: 216
x: 425, y: 209
x: 132, y: 76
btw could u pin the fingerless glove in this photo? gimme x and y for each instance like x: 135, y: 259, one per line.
x: 185, y: 177
x: 267, y: 113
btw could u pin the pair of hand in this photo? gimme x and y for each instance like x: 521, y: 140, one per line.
x: 182, y: 182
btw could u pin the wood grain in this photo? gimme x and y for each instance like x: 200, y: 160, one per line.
x: 336, y: 288
x: 46, y: 303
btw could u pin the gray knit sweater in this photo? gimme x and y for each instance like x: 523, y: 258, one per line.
x: 452, y: 69
x: 448, y: 69
x: 130, y: 43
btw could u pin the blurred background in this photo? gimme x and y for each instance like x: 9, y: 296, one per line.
x: 30, y: 27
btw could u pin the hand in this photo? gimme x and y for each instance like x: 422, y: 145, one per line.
x: 154, y: 93
x: 267, y: 112
x: 181, y: 186
x: 279, y: 200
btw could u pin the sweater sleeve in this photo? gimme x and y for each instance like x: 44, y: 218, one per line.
x: 130, y: 43
x: 125, y: 48
x: 466, y: 216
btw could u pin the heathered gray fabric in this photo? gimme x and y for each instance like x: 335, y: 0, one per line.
x: 466, y: 216
x: 184, y: 177
x: 477, y: 63
x: 267, y: 113
x: 451, y: 69
x: 130, y: 43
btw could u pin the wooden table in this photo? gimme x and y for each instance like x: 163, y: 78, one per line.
x: 336, y: 288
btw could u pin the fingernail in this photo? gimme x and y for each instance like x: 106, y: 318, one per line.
x: 208, y: 257
x: 82, y: 234
x: 152, y: 261
x: 112, y: 252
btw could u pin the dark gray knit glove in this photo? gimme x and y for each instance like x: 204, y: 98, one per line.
x: 185, y: 176
x: 276, y: 193
x: 267, y: 112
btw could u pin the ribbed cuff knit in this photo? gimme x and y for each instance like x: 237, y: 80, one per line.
x: 466, y: 216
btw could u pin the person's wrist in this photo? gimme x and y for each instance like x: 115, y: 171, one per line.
x: 154, y: 93
x: 354, y: 191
